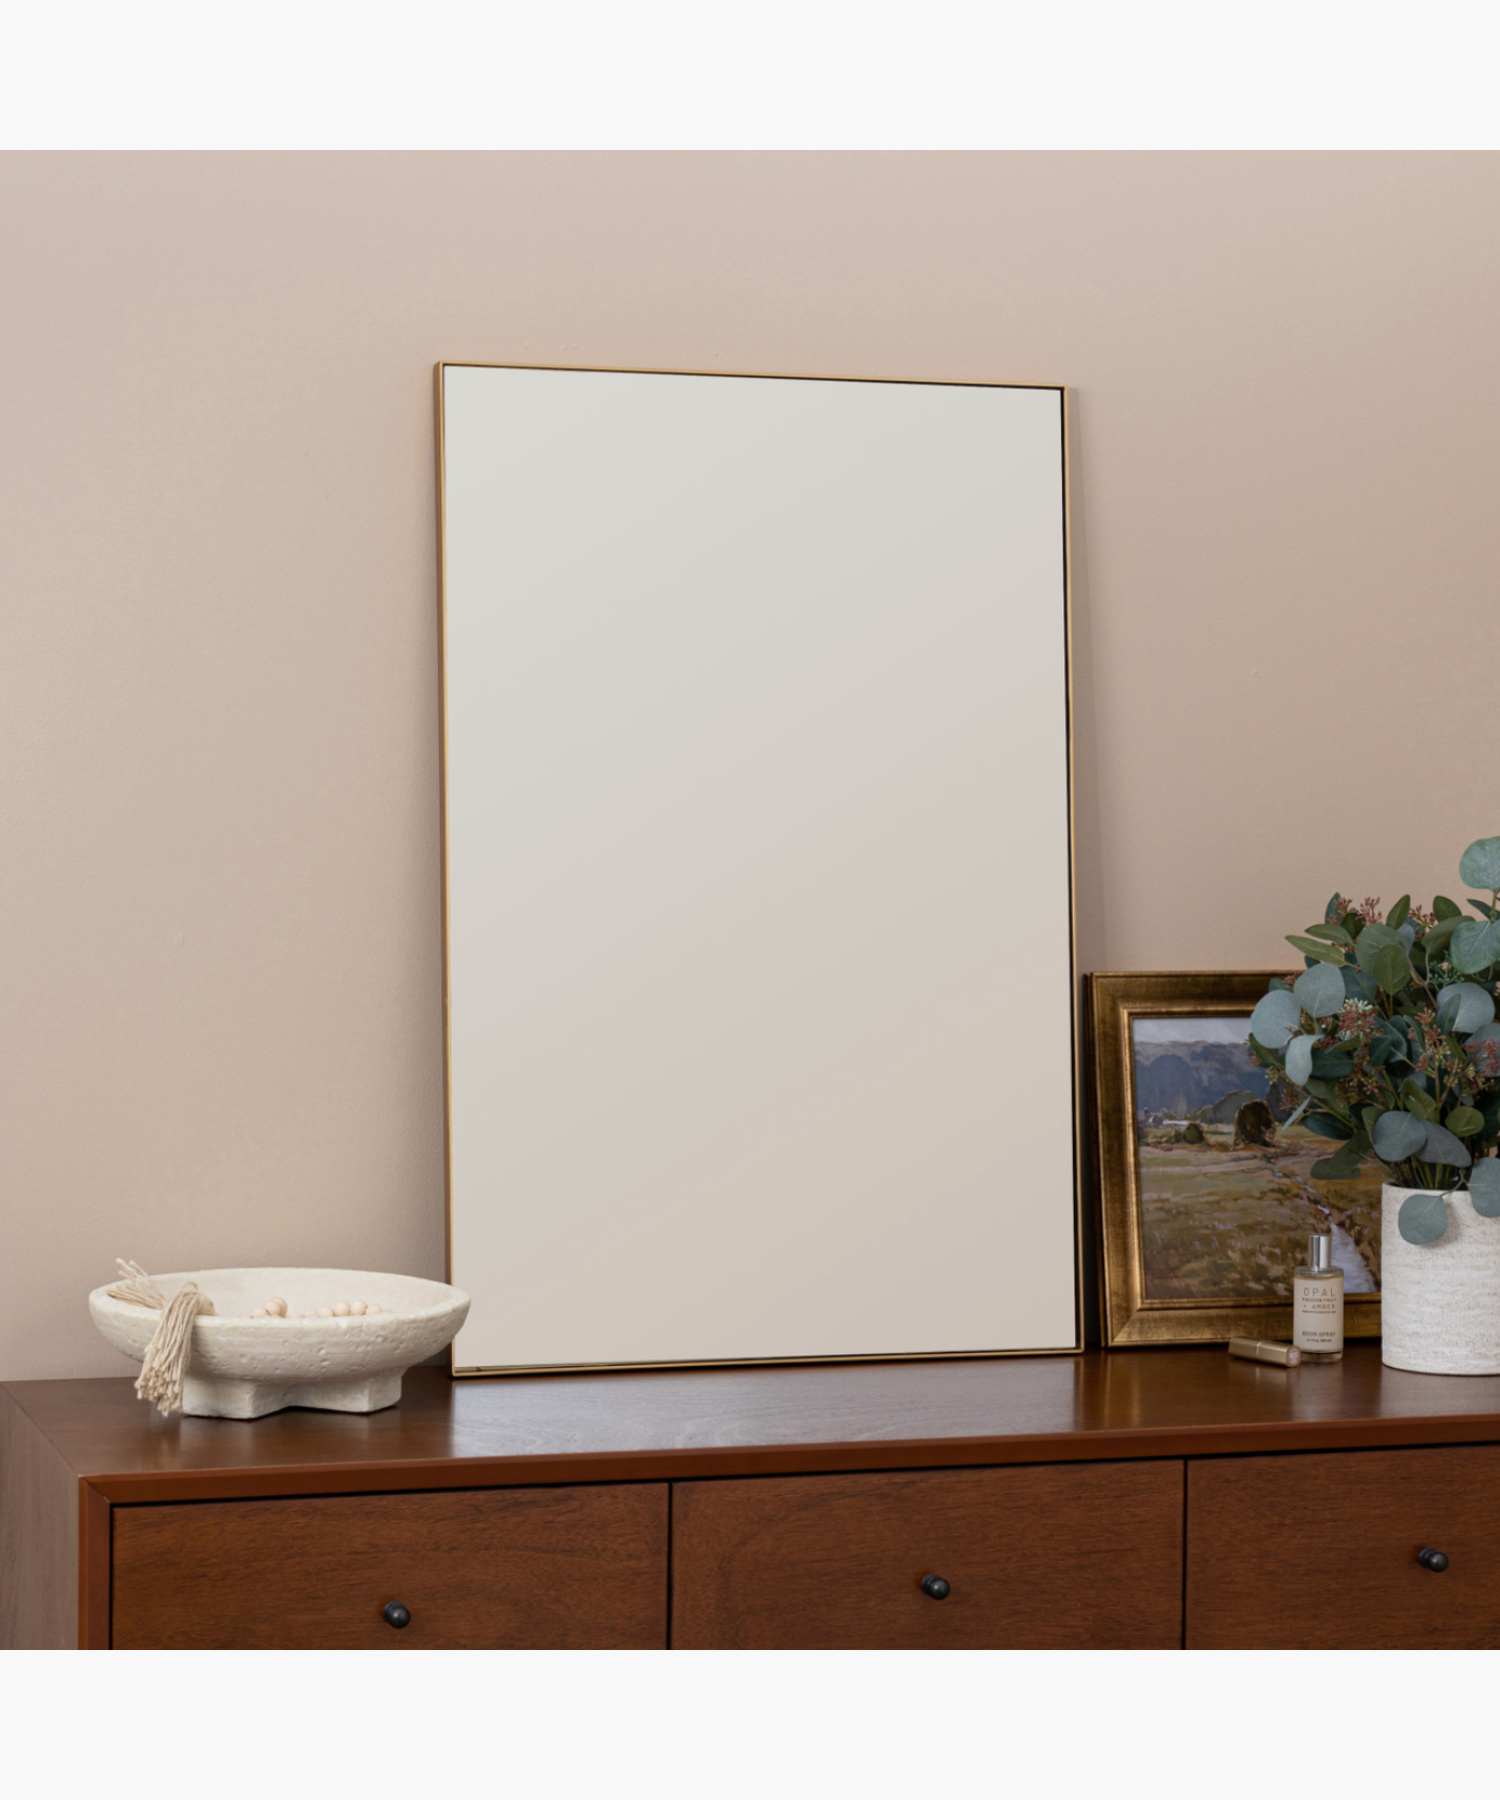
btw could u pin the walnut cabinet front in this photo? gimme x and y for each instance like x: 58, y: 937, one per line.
x: 1082, y: 1557
x: 1283, y: 1551
x: 1358, y: 1550
x: 531, y: 1568
x: 1074, y: 1557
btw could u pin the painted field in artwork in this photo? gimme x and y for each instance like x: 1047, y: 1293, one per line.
x: 1227, y: 1201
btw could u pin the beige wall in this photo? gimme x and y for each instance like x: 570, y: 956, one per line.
x: 218, y: 684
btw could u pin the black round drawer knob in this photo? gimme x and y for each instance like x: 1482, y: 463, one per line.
x: 935, y: 1588
x: 396, y: 1614
x: 1432, y: 1559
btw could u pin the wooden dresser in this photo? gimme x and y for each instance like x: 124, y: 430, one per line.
x: 1137, y: 1498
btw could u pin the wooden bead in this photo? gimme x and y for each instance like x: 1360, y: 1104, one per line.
x: 341, y: 1311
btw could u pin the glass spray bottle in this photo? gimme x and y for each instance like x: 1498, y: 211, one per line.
x: 1318, y: 1304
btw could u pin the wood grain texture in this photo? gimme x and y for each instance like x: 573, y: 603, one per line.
x: 569, y: 1568
x: 92, y: 1440
x: 38, y: 1538
x: 95, y: 1565
x: 1320, y: 1552
x: 1037, y: 1558
x: 525, y: 1431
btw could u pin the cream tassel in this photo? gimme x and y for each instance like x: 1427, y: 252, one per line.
x: 138, y: 1287
x: 167, y: 1354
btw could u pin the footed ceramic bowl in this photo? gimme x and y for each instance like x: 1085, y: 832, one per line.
x: 241, y: 1368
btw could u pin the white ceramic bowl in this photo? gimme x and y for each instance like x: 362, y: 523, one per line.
x: 240, y: 1368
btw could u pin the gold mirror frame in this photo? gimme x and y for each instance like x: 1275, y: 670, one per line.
x: 1077, y: 1122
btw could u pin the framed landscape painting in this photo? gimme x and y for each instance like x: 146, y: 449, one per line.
x: 1206, y: 1200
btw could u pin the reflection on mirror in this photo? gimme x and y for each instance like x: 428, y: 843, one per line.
x: 757, y: 868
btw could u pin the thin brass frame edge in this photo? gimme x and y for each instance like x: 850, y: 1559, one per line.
x: 762, y: 1362
x: 1056, y: 387
x: 441, y: 472
x: 1075, y: 1008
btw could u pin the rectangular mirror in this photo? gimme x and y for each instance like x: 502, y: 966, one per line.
x: 758, y: 898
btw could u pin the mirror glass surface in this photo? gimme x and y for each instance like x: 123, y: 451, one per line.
x: 757, y: 868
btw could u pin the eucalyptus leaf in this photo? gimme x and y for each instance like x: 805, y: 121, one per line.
x: 1310, y: 947
x: 1331, y: 1065
x: 1397, y: 1135
x: 1399, y: 913
x: 1332, y: 934
x: 1443, y: 1147
x: 1276, y: 1017
x: 1298, y: 1114
x: 1486, y: 1033
x: 1392, y: 967
x: 1321, y: 992
x: 1484, y: 1187
x: 1323, y: 1090
x: 1484, y: 909
x: 1324, y: 1125
x: 1371, y: 941
x: 1407, y: 933
x: 1419, y: 1104
x: 1299, y: 1059
x: 1444, y: 908
x: 1479, y: 866
x: 1464, y: 1006
x: 1435, y: 939
x: 1358, y: 985
x: 1423, y: 1218
x: 1475, y: 945
x: 1343, y: 1165
x: 1464, y: 1121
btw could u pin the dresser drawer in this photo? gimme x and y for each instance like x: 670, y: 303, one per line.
x: 533, y: 1568
x: 1320, y: 1551
x: 1042, y: 1557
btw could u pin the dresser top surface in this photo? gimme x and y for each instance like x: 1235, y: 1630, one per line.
x: 676, y: 1423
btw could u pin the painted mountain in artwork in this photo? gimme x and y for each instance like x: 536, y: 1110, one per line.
x: 1178, y: 1079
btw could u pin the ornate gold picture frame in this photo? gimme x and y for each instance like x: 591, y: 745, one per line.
x: 1205, y: 1201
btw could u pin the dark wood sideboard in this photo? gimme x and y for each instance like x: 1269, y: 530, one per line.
x: 1137, y: 1498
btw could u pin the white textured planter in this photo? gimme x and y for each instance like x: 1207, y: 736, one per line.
x: 1440, y: 1303
x: 241, y: 1368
